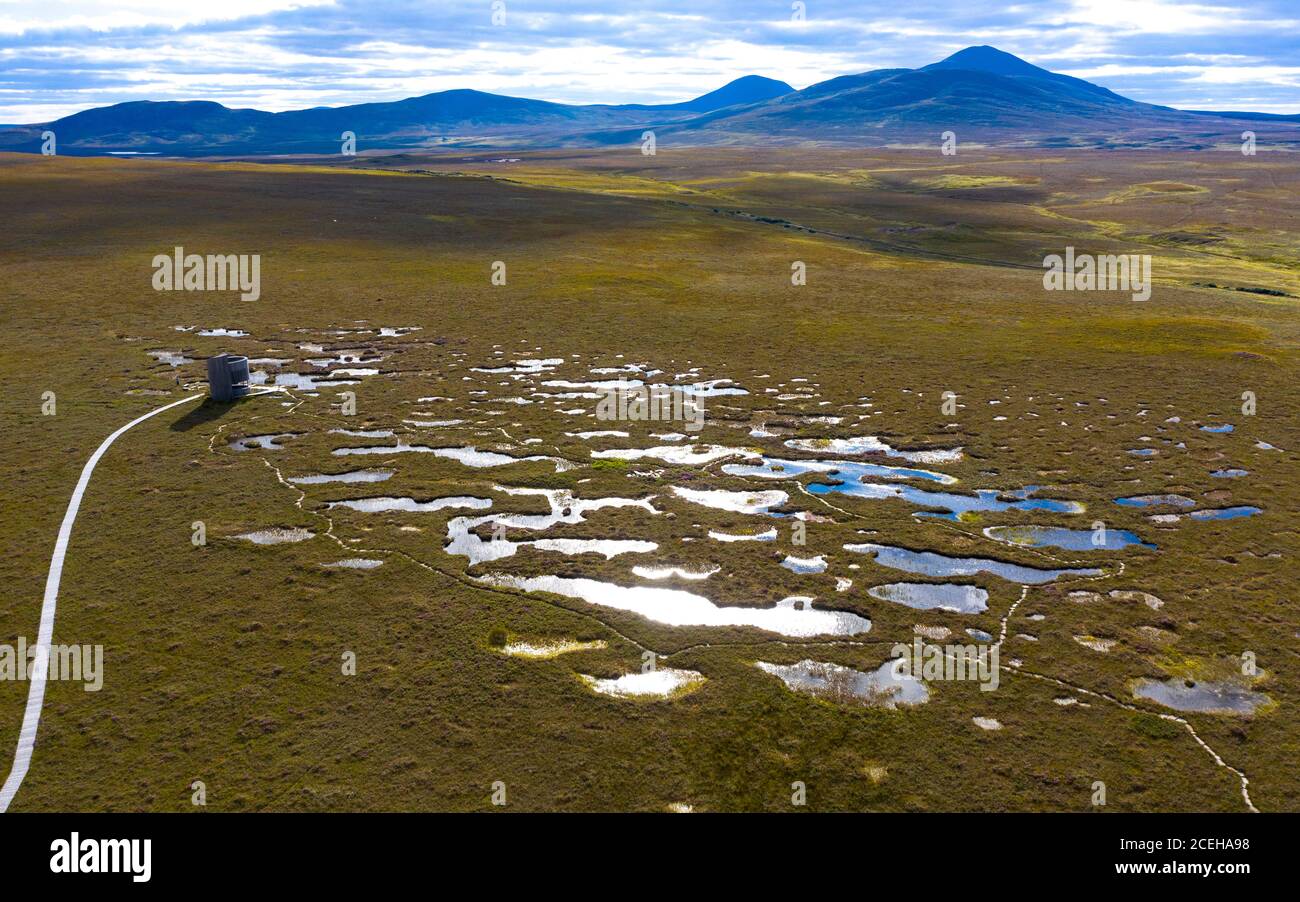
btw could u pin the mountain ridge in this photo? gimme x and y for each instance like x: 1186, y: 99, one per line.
x: 983, y: 93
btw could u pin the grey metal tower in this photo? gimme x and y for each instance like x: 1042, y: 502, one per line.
x: 228, y: 377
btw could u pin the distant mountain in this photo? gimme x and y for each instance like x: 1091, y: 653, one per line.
x: 979, y: 87
x: 749, y: 89
x: 204, y: 128
x: 907, y: 100
x: 997, y: 62
x: 982, y: 93
x: 1259, y: 117
x: 148, y: 125
x: 460, y: 116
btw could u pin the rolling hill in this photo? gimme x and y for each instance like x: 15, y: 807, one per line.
x: 980, y: 93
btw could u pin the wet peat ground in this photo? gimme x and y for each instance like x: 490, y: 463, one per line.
x: 501, y: 562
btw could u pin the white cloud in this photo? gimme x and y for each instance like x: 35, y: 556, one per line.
x: 1152, y: 17
x: 288, y: 54
x: 21, y: 16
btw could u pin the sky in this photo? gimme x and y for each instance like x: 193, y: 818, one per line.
x: 61, y: 56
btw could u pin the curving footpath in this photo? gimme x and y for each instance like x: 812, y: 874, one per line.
x: 36, y: 691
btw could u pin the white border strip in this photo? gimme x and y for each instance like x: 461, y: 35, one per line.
x: 36, y: 692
